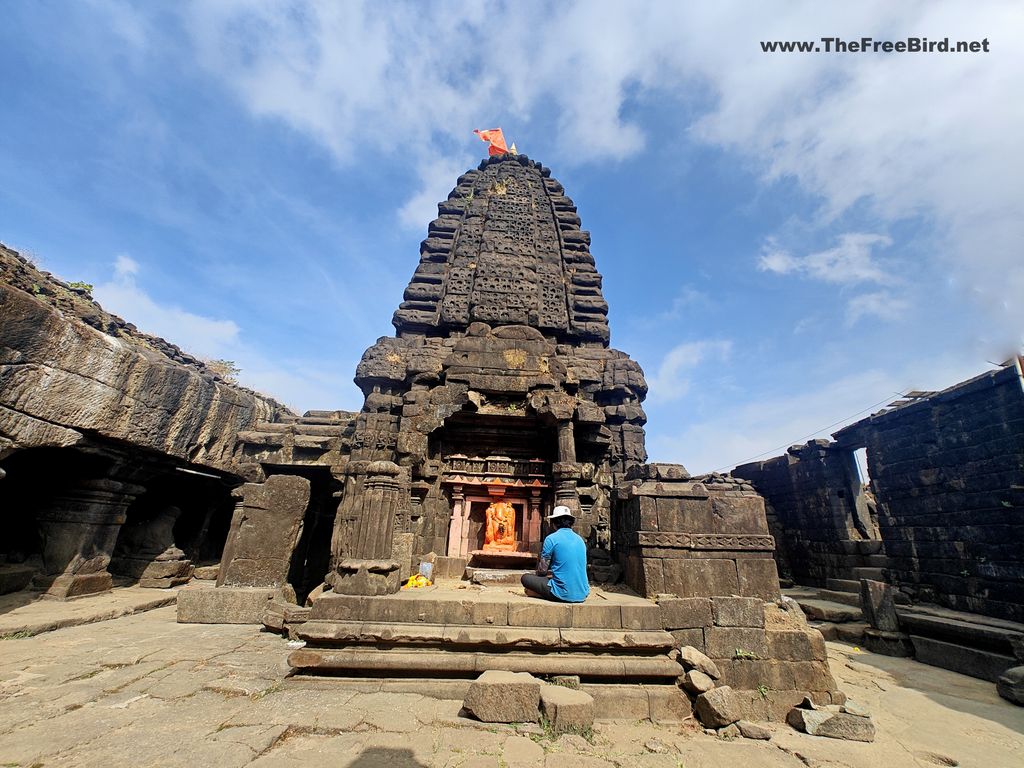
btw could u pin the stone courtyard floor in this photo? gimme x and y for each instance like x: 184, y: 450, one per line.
x: 142, y: 690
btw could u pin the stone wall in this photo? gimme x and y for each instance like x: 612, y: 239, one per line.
x: 821, y: 512
x: 948, y: 470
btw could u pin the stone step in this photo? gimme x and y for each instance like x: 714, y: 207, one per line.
x: 449, y: 663
x: 877, y: 561
x: 851, y: 632
x: 332, y: 633
x: 662, y: 703
x: 875, y: 574
x: 839, y: 596
x: 828, y: 611
x: 844, y: 585
x: 962, y: 631
x: 495, y: 576
x: 496, y: 610
x: 974, y: 662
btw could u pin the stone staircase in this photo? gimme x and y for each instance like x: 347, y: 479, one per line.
x: 618, y: 638
x: 836, y: 613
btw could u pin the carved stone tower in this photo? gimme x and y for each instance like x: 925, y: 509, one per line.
x: 499, y: 384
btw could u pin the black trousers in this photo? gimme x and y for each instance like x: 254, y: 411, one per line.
x: 539, y: 584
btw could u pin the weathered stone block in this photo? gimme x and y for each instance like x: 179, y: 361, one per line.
x: 264, y: 531
x: 504, y: 697
x: 567, y: 710
x: 223, y: 605
x: 539, y: 614
x: 718, y: 707
x: 727, y: 642
x: 738, y: 612
x: 668, y: 704
x: 640, y: 617
x: 694, y: 577
x: 758, y: 577
x: 686, y: 613
x: 789, y: 645
x: 879, y: 608
x: 689, y: 637
x: 1010, y: 685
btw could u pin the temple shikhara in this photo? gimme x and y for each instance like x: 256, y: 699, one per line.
x: 498, y: 397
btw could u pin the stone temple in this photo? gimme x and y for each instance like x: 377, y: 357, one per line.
x: 497, y: 398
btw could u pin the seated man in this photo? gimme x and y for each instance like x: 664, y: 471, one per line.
x: 562, y: 570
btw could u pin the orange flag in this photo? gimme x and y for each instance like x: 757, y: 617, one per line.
x: 496, y: 139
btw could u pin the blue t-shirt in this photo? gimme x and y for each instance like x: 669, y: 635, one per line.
x: 566, y: 554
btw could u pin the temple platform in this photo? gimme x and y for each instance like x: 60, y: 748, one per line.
x: 455, y: 631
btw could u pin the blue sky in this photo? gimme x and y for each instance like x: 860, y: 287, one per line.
x: 787, y: 240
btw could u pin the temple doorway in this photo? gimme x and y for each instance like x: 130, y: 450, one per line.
x: 490, y: 458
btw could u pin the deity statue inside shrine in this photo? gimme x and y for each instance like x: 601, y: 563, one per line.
x: 500, y: 532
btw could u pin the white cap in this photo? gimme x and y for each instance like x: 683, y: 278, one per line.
x: 561, y: 511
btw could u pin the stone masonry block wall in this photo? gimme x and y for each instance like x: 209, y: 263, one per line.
x: 949, y: 477
x: 813, y: 495
x: 690, y: 538
x: 948, y: 472
x: 770, y: 657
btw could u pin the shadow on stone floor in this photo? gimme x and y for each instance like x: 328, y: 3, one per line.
x: 951, y: 690
x: 382, y: 757
x: 13, y: 600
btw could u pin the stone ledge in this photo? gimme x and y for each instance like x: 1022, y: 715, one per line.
x: 223, y: 605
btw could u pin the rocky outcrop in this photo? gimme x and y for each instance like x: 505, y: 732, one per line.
x: 69, y: 370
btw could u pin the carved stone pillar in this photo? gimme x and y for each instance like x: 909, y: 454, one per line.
x: 531, y: 527
x: 566, y: 471
x: 456, y: 530
x: 364, y: 531
x: 79, y: 531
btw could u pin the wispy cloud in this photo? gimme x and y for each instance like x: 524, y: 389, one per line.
x: 302, y: 384
x: 672, y: 381
x: 850, y: 261
x: 760, y: 427
x: 204, y: 336
x: 881, y: 304
x: 362, y: 77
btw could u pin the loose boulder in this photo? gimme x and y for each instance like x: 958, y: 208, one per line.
x: 751, y: 730
x: 696, y: 682
x: 718, y: 707
x: 831, y: 723
x: 1011, y: 685
x: 691, y: 658
x: 504, y: 697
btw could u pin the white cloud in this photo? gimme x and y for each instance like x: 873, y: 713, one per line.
x: 437, y: 178
x: 125, y: 267
x: 673, y: 378
x: 901, y: 135
x: 760, y: 427
x: 203, y: 336
x: 848, y: 262
x: 881, y: 304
